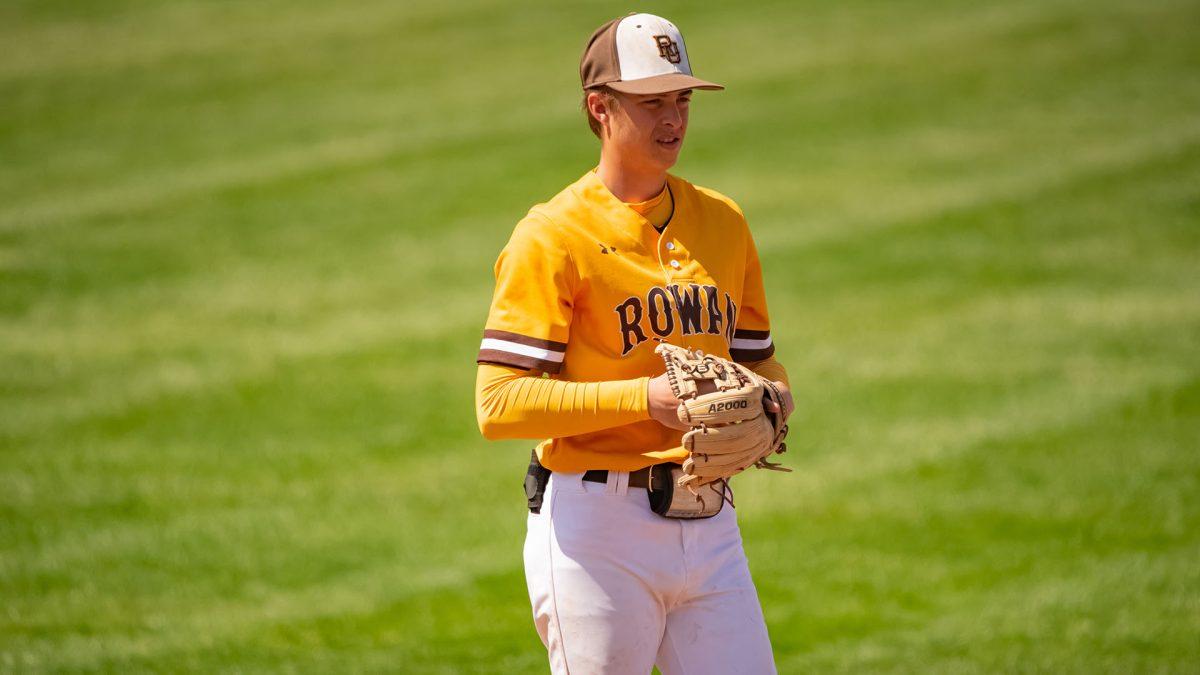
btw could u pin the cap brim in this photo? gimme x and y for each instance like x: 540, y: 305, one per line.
x: 661, y: 84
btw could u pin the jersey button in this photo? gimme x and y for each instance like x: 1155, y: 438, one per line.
x: 670, y: 246
x: 675, y: 264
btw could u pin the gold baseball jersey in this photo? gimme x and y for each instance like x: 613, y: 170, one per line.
x: 587, y: 287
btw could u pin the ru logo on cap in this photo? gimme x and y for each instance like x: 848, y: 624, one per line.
x: 667, y: 48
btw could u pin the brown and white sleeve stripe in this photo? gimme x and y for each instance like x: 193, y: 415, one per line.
x: 521, y: 351
x: 751, y: 345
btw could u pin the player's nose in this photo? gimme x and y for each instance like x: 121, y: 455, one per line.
x: 672, y: 117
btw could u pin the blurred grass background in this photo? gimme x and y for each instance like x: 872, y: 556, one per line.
x: 232, y: 234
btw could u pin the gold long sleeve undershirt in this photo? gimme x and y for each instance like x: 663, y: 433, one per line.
x: 515, y: 403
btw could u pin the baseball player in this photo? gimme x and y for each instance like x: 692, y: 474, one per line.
x: 590, y: 283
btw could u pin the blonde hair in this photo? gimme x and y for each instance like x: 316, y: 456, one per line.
x: 610, y: 100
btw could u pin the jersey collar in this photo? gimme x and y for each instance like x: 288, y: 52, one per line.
x: 594, y: 192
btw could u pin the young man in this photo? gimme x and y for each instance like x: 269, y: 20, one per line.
x: 590, y: 282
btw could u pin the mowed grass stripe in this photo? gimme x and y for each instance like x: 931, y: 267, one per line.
x: 988, y: 24
x: 212, y: 108
x: 1047, y: 605
x: 1064, y: 243
x: 166, y: 192
x: 897, y: 319
x: 153, y: 33
x: 1027, y: 573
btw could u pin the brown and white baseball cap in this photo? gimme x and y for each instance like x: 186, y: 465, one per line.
x: 639, y: 54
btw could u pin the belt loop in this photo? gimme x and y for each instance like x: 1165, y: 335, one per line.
x: 618, y: 483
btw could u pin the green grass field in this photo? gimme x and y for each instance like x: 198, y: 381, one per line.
x: 232, y: 233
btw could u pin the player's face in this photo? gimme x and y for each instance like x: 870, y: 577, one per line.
x: 649, y: 129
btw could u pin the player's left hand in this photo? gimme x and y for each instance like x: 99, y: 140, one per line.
x: 788, y: 404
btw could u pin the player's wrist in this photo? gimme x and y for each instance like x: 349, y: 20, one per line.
x: 643, y: 396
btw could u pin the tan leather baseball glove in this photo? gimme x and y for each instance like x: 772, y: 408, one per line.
x: 723, y: 403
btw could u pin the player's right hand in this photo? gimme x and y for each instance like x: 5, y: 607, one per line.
x: 663, y: 404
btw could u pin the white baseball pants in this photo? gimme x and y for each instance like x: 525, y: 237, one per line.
x: 617, y: 589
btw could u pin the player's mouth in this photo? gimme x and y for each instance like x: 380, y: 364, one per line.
x: 669, y: 142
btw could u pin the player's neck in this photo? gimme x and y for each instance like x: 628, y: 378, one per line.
x: 630, y: 184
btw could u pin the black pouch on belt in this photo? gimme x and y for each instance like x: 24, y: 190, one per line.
x: 536, y: 479
x: 669, y: 500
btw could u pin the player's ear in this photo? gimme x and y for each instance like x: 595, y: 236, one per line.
x: 598, y: 106
x: 595, y: 106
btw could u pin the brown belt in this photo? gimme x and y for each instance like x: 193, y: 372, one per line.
x: 639, y: 478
